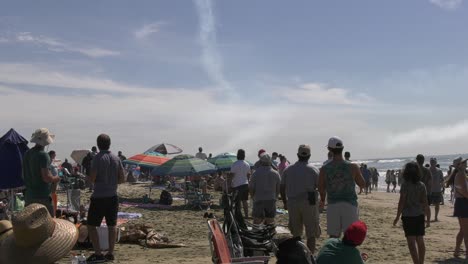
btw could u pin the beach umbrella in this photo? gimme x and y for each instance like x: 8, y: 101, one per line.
x: 165, y: 148
x: 184, y: 165
x: 224, y: 161
x: 148, y: 159
x: 79, y: 154
x: 12, y: 149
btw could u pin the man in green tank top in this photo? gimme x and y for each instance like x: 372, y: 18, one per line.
x: 338, y: 180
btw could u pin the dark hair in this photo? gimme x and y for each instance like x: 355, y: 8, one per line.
x: 347, y: 154
x: 240, y: 154
x: 274, y: 153
x: 200, y: 149
x: 438, y: 166
x: 336, y: 151
x: 451, y: 178
x: 412, y: 172
x: 94, y: 148
x: 103, y: 142
x: 51, y: 153
x: 420, y: 158
x: 303, y: 158
x: 282, y: 158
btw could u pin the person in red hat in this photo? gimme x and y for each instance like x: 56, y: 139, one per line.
x: 344, y: 250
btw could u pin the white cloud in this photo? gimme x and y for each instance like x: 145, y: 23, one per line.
x: 56, y: 45
x: 429, y: 135
x: 317, y: 93
x: 147, y: 30
x: 447, y: 4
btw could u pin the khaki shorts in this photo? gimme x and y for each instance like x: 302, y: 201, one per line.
x: 301, y: 214
x: 339, y: 216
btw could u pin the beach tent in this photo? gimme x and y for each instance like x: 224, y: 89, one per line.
x: 12, y: 149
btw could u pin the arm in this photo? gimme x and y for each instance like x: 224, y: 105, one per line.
x: 322, y: 187
x: 429, y: 187
x: 47, y: 176
x: 401, y: 205
x: 460, y: 184
x: 358, y: 176
x: 92, y: 175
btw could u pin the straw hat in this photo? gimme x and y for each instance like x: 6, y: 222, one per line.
x: 6, y: 229
x: 37, y: 238
x: 43, y: 137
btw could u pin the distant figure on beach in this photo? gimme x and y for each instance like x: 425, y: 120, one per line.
x: 258, y: 162
x: 106, y: 173
x: 344, y: 251
x: 412, y: 207
x: 338, y: 180
x: 67, y: 165
x: 239, y: 181
x: 86, y: 163
x: 399, y: 177
x: 210, y: 156
x: 274, y: 157
x: 200, y: 154
x: 437, y: 185
x: 264, y: 188
x: 393, y: 180
x: 329, y: 158
x: 387, y: 180
x: 36, y: 174
x: 299, y: 194
x: 461, y: 204
x: 283, y: 164
x: 121, y: 157
x: 366, y: 174
x: 426, y: 178
x: 347, y: 156
x: 375, y: 178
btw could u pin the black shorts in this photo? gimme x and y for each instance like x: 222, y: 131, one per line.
x: 242, y: 192
x: 264, y: 209
x: 461, y: 208
x: 436, y: 198
x: 99, y: 208
x: 413, y: 225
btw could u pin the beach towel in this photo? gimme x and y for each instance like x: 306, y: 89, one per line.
x: 145, y: 206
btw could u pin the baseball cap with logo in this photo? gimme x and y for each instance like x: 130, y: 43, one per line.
x: 304, y: 150
x: 335, y: 143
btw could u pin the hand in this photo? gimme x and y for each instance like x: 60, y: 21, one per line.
x: 56, y: 179
x: 395, y: 221
x: 364, y: 256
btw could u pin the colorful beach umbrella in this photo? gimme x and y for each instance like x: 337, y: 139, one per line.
x: 147, y: 159
x: 224, y: 161
x: 165, y: 148
x: 184, y: 165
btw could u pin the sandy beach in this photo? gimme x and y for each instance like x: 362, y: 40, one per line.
x: 384, y: 243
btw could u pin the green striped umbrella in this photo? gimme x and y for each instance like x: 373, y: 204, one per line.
x: 224, y: 161
x: 184, y: 165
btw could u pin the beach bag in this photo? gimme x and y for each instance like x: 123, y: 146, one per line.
x: 165, y: 198
x: 292, y: 250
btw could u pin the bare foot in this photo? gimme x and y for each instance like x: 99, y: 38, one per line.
x: 456, y: 253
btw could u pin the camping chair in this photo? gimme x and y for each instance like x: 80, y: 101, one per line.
x: 220, y: 250
x: 195, y: 198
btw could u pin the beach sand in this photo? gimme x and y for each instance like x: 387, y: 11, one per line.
x: 384, y: 243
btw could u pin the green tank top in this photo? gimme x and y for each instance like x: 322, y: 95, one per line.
x: 340, y: 183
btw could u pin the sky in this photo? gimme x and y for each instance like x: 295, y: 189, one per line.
x: 388, y: 77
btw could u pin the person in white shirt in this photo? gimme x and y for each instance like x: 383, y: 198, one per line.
x: 200, y: 154
x: 239, y: 180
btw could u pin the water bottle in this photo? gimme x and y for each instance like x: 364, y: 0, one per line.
x: 75, y: 259
x: 82, y: 259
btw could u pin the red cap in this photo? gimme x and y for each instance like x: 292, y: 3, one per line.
x: 356, y: 233
x: 261, y: 151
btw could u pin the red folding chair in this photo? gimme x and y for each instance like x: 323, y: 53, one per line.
x: 220, y: 250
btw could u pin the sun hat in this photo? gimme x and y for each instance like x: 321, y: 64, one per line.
x: 265, y: 158
x: 356, y: 233
x: 37, y: 238
x: 5, y: 229
x: 43, y: 137
x: 335, y: 143
x: 303, y: 151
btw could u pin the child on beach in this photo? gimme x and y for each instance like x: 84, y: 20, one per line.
x: 413, y: 207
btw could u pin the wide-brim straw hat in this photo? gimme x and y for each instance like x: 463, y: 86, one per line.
x: 43, y: 137
x: 37, y: 238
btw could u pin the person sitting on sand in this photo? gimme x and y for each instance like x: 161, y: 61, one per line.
x: 461, y: 204
x: 412, y: 207
x: 344, y: 250
x: 264, y: 188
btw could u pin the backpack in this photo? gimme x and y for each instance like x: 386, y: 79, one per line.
x: 165, y: 198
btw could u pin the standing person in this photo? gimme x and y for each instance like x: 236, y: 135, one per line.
x: 53, y: 188
x: 239, y: 178
x: 393, y: 180
x: 347, y: 156
x: 86, y: 163
x: 36, y: 174
x: 274, y: 156
x: 367, y: 178
x: 200, y: 154
x: 264, y: 188
x: 121, y: 157
x: 461, y: 204
x: 338, y: 180
x: 67, y: 165
x: 426, y: 178
x: 329, y: 158
x: 411, y: 207
x: 437, y: 185
x: 387, y: 180
x: 375, y: 178
x: 399, y: 177
x: 299, y: 194
x: 106, y: 173
x: 282, y: 165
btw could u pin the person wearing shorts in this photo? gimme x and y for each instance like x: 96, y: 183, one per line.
x: 239, y: 181
x: 106, y: 173
x: 413, y: 207
x: 264, y: 187
x: 461, y: 204
x: 299, y: 194
x: 437, y: 187
x: 337, y: 183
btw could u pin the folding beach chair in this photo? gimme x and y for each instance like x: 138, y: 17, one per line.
x: 220, y: 251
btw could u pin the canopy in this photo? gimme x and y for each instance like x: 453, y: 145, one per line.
x: 165, y: 148
x: 12, y: 149
x: 224, y: 161
x: 147, y: 159
x: 184, y: 165
x: 79, y: 154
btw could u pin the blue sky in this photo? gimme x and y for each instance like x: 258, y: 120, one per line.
x: 389, y: 77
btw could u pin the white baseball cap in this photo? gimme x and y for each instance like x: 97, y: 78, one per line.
x: 335, y: 143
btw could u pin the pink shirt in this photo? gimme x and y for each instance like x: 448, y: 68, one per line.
x: 282, y: 166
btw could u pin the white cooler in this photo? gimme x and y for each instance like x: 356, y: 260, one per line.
x: 103, y: 235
